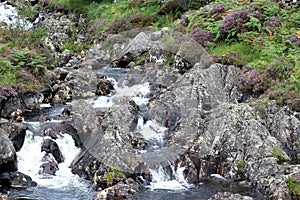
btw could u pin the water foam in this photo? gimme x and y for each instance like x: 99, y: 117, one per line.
x: 29, y: 161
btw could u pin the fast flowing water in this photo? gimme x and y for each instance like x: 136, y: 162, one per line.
x: 66, y: 186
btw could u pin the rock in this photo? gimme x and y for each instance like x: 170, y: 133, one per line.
x: 199, y: 88
x: 12, y: 105
x: 104, y: 87
x: 15, y: 131
x: 268, y: 177
x: 49, y: 165
x: 84, y: 120
x: 8, y: 159
x: 220, y: 135
x: 98, y: 56
x: 87, y: 166
x: 229, y: 196
x: 32, y: 101
x: 119, y: 191
x: 108, y: 145
x: 127, y: 52
x: 82, y: 83
x: 3, y: 196
x: 50, y: 146
x: 5, y: 182
x: 285, y: 126
x: 21, y: 181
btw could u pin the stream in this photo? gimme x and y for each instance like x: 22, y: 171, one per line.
x: 65, y: 185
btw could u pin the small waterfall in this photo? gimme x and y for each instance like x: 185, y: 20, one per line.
x: 9, y: 16
x: 161, y: 180
x: 64, y: 184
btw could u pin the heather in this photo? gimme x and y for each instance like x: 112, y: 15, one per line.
x: 261, y: 37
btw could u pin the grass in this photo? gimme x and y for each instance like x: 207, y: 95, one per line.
x: 259, y: 47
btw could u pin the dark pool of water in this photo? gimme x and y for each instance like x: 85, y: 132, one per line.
x: 202, y: 191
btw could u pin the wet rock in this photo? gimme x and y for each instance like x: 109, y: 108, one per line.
x: 5, y: 181
x: 82, y: 83
x: 33, y: 100
x: 53, y: 130
x: 104, y: 87
x: 119, y: 191
x: 12, y: 105
x: 84, y: 120
x: 50, y: 146
x: 49, y: 165
x: 108, y: 145
x: 21, y: 181
x: 15, y: 131
x: 229, y: 196
x: 8, y: 158
x: 88, y: 167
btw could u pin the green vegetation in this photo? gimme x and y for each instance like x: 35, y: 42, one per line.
x: 112, y: 174
x: 294, y: 187
x: 278, y: 154
x: 260, y: 37
x: 240, y: 166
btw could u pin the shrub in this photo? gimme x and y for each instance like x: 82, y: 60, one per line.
x: 217, y: 11
x: 202, y: 36
x: 294, y: 186
x: 119, y: 25
x: 253, y: 81
x: 112, y: 174
x: 8, y: 91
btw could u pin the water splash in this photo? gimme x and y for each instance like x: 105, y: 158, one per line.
x: 9, y: 15
x: 162, y: 180
x: 29, y: 161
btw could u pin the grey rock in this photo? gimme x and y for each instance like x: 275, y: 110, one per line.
x: 15, y: 131
x: 8, y: 159
x: 21, y: 181
x: 199, y: 88
x: 119, y: 191
x: 229, y: 196
x: 12, y: 105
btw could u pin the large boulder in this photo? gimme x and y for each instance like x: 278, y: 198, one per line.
x: 111, y: 142
x: 11, y: 105
x: 15, y: 131
x: 8, y: 158
x: 50, y: 146
x: 219, y: 135
x: 200, y: 88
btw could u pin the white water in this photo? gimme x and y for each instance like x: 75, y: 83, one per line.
x: 9, y: 15
x: 150, y: 130
x: 160, y: 179
x: 138, y: 93
x: 29, y: 162
x: 30, y: 155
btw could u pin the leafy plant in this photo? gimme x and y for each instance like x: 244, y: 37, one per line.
x: 294, y: 186
x: 240, y: 166
x: 112, y: 174
x: 278, y: 154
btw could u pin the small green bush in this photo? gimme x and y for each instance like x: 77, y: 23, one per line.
x: 112, y: 174
x: 294, y: 187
